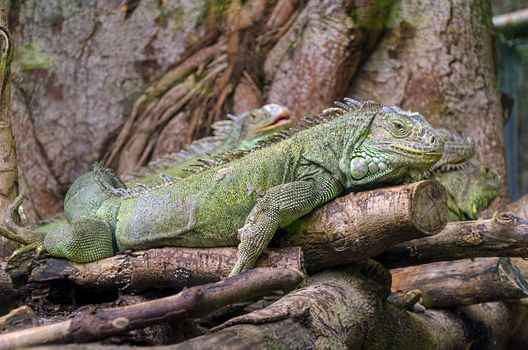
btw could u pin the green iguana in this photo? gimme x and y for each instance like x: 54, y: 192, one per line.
x: 470, y: 185
x: 243, y: 197
x: 470, y: 189
x: 237, y: 132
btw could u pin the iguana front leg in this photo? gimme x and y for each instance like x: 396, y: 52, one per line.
x: 280, y: 205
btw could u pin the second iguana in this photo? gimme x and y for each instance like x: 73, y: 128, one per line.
x: 241, y: 132
x: 470, y: 185
x: 242, y: 198
x: 470, y: 189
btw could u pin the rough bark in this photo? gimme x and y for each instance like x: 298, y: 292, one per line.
x: 17, y: 319
x: 505, y: 235
x: 483, y: 326
x: 8, y: 161
x: 347, y: 310
x: 322, y: 49
x: 519, y: 207
x: 459, y: 283
x: 437, y: 58
x: 261, y: 47
x: 190, y: 303
x: 501, y: 325
x: 78, y: 67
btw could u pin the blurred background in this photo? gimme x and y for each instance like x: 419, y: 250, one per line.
x: 511, y: 22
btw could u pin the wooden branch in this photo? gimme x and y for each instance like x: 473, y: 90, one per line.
x: 363, y: 224
x: 159, y: 268
x: 505, y: 235
x: 17, y: 319
x: 457, y: 283
x: 190, y: 303
x: 349, y: 228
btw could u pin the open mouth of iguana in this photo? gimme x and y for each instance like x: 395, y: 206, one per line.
x: 281, y: 121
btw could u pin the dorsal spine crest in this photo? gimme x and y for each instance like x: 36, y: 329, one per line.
x: 348, y: 105
x: 123, y: 191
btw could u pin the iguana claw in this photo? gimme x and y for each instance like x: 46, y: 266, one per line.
x: 21, y: 233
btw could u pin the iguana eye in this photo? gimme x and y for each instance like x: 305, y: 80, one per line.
x: 398, y: 128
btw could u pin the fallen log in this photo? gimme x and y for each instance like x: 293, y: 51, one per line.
x: 505, y: 235
x: 190, y: 303
x: 464, y: 282
x: 347, y: 229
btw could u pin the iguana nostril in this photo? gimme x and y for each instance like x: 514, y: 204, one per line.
x: 432, y: 140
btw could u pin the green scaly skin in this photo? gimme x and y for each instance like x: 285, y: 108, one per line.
x: 245, y: 200
x: 470, y: 188
x: 237, y: 132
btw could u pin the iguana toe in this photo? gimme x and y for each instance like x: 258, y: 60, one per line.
x: 25, y: 249
x: 21, y: 233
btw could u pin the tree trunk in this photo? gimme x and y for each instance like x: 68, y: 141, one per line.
x: 225, y: 57
x: 8, y: 160
x: 437, y: 58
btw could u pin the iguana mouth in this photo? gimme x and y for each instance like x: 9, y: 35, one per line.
x: 281, y: 120
x: 424, y: 153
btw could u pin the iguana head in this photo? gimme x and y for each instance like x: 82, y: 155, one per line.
x: 260, y: 123
x: 471, y: 188
x: 398, y: 145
